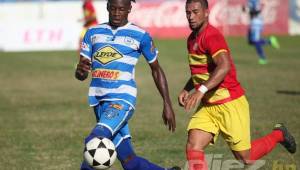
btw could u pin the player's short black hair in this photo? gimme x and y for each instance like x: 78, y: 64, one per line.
x: 204, y: 3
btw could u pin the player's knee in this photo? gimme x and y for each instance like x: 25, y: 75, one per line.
x: 99, y: 130
x: 195, y: 145
x: 244, y: 158
x: 247, y: 161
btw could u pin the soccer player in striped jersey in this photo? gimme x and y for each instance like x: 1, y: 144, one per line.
x: 255, y: 31
x: 224, y: 108
x: 110, y: 52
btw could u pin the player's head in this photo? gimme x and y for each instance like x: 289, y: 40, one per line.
x: 196, y: 13
x: 118, y: 11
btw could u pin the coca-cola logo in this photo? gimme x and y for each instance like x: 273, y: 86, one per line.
x: 159, y: 14
x: 231, y: 13
x: 172, y: 13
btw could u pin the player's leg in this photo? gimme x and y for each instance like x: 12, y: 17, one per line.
x: 264, y: 145
x: 239, y: 141
x: 201, y: 131
x: 257, y: 41
x: 260, y: 52
x: 110, y: 116
x: 197, y: 142
x: 127, y: 156
x: 274, y: 42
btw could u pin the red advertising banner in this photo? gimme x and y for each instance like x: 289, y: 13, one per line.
x: 166, y: 19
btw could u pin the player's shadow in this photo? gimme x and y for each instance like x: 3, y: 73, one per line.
x: 288, y: 92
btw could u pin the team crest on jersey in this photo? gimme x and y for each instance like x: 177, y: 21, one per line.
x: 110, y: 113
x: 107, y: 54
x: 195, y: 47
x: 128, y: 40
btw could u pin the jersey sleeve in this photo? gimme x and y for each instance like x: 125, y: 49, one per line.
x: 86, y: 46
x: 215, y: 44
x: 148, y: 48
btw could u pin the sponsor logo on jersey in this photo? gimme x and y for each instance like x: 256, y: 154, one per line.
x: 106, y: 74
x: 107, y: 54
x: 116, y: 106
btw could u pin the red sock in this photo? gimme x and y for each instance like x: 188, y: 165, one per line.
x: 196, y: 160
x: 262, y: 146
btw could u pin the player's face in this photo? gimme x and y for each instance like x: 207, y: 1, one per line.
x: 118, y: 12
x: 196, y: 15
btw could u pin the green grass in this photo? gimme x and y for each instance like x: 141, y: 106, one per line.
x: 44, y: 115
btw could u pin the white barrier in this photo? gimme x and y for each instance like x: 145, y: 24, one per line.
x: 43, y: 26
x: 55, y: 25
x: 294, y: 21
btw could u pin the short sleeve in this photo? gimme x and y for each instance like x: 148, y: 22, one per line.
x: 86, y: 46
x: 148, y: 48
x: 215, y: 43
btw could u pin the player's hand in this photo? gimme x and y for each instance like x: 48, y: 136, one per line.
x: 182, y: 97
x: 83, y: 68
x: 193, y: 100
x: 169, y: 117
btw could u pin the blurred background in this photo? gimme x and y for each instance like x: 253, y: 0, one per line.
x: 44, y: 114
x: 54, y: 25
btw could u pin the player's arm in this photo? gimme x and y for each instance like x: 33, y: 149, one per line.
x: 162, y: 86
x: 222, y: 63
x: 184, y: 94
x: 83, y: 68
x: 223, y: 66
x: 84, y: 65
x: 150, y: 52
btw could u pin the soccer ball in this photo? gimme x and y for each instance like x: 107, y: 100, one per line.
x: 100, y: 153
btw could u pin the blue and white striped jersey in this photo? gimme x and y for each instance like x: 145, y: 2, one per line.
x: 254, y: 5
x: 114, y: 54
x: 256, y: 28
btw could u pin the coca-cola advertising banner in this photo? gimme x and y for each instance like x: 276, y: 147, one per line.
x: 167, y: 19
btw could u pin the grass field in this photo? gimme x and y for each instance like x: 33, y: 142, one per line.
x: 44, y: 115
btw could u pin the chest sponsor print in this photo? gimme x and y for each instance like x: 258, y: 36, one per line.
x: 107, y: 54
x: 106, y: 74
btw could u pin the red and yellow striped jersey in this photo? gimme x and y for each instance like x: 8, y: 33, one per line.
x: 202, y: 48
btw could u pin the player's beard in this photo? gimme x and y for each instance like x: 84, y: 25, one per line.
x: 200, y: 27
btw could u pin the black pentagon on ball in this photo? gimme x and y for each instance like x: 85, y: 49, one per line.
x: 92, y: 152
x: 101, y: 145
x: 107, y: 163
x: 95, y: 163
x: 111, y: 152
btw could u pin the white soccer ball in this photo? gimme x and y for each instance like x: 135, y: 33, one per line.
x: 100, y: 153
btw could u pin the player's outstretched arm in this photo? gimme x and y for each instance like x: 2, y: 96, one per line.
x: 162, y: 86
x: 83, y: 68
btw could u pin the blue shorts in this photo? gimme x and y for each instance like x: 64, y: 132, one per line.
x: 114, y: 115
